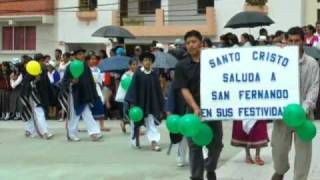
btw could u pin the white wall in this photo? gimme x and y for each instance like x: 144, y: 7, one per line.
x: 46, y: 39
x: 311, y: 11
x: 72, y: 30
x: 285, y: 14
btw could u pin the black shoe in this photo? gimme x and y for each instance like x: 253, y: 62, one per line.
x: 17, y: 118
x: 277, y: 177
x: 12, y: 117
x: 211, y: 176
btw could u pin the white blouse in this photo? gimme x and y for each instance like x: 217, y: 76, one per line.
x: 17, y: 82
x: 62, y: 68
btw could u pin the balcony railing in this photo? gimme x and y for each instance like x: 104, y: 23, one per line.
x: 160, y: 25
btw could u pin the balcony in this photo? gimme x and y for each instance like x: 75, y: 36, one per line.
x: 31, y: 7
x: 263, y: 9
x: 87, y: 15
x: 160, y: 25
x: 40, y: 11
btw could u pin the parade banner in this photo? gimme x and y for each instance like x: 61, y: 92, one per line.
x: 248, y: 83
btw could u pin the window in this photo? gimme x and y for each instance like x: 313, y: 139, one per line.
x: 318, y: 15
x: 87, y: 5
x: 149, y: 6
x: 19, y: 38
x: 203, y: 4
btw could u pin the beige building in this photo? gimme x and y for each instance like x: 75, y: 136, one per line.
x: 311, y: 11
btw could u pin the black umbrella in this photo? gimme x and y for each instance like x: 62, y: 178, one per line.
x: 113, y: 32
x: 249, y: 20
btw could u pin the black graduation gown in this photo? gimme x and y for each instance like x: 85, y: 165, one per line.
x: 42, y: 88
x: 145, y: 92
x: 178, y: 104
x: 84, y: 92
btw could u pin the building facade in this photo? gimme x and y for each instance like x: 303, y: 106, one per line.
x: 312, y: 11
x: 34, y: 26
x: 77, y: 20
x: 26, y: 28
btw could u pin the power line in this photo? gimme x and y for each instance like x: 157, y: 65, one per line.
x: 99, y: 5
x: 65, y: 10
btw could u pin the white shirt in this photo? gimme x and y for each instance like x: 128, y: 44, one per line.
x: 62, y: 68
x: 121, y: 93
x: 98, y: 79
x: 15, y: 83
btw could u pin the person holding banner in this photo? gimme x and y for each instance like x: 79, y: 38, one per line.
x: 282, y: 135
x: 79, y: 87
x: 187, y: 81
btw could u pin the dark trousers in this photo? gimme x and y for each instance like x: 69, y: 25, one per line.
x: 197, y: 163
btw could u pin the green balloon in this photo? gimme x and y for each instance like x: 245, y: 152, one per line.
x: 294, y: 115
x: 135, y: 114
x: 189, y: 125
x: 76, y: 68
x: 125, y: 82
x: 307, y: 131
x: 204, y: 136
x: 172, y: 123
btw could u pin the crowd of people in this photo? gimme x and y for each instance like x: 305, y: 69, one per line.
x: 56, y: 94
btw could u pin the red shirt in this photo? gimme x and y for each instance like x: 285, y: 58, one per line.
x: 4, y: 82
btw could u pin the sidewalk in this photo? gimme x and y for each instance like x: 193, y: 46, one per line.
x: 236, y: 169
x: 114, y: 159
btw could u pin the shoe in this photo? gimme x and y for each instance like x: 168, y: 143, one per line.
x: 142, y: 133
x: 249, y: 161
x: 73, y: 138
x: 259, y: 161
x: 29, y: 134
x: 12, y: 116
x: 61, y: 120
x: 6, y: 118
x: 123, y: 127
x: 181, y: 162
x: 277, y: 177
x: 105, y: 129
x: 48, y: 136
x: 17, y: 118
x: 155, y: 146
x: 133, y: 145
x: 211, y: 175
x: 96, y: 137
x: 2, y: 116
